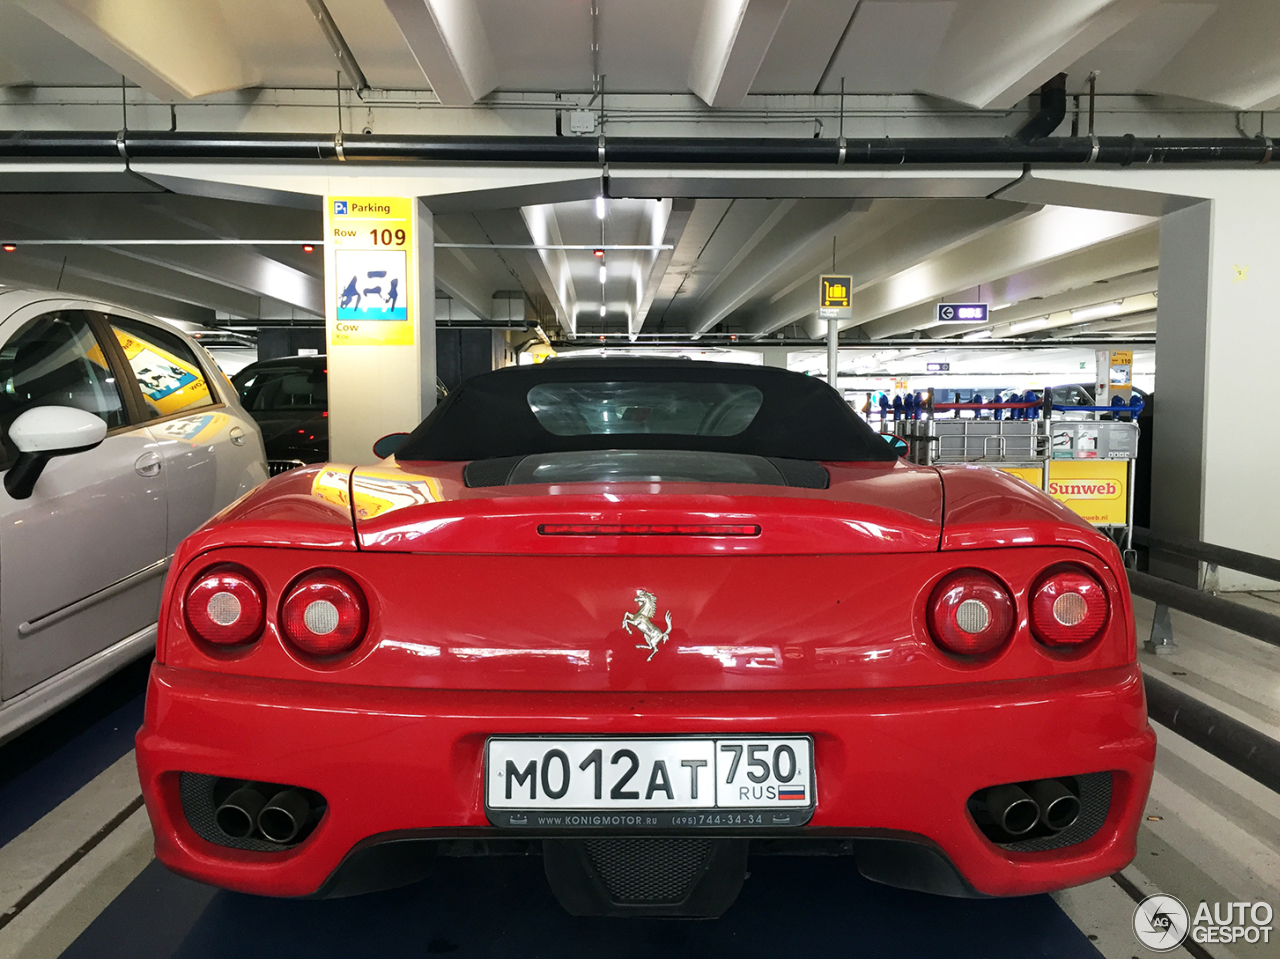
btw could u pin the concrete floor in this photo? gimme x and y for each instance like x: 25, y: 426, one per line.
x: 77, y: 877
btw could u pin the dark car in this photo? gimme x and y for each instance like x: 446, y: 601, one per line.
x: 289, y: 399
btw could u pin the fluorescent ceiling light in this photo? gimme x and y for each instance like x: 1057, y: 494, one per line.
x: 599, y: 208
x: 999, y: 306
x: 1101, y: 311
x: 603, y: 273
x: 978, y: 335
x: 602, y: 309
x: 1027, y: 326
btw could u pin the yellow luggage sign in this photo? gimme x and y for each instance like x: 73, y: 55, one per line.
x: 835, y: 292
x: 835, y: 297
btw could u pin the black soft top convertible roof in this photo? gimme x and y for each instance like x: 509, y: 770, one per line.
x: 490, y: 415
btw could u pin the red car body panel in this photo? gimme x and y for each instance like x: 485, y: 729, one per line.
x: 868, y: 508
x: 481, y: 625
x: 396, y: 759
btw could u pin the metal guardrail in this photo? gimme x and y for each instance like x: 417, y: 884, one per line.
x: 1206, y: 606
x: 1239, y: 745
x: 1237, y: 559
x: 1253, y: 753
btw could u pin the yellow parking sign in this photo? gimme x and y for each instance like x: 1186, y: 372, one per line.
x: 371, y: 269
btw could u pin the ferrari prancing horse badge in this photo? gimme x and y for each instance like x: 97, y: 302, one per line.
x: 642, y: 619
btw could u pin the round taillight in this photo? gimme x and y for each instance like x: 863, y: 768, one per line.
x: 1068, y: 607
x: 325, y: 613
x: 970, y: 613
x: 225, y: 605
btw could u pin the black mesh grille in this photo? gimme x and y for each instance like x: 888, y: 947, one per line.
x: 198, y: 805
x: 648, y: 870
x: 1095, y: 803
x: 200, y: 797
x: 276, y: 467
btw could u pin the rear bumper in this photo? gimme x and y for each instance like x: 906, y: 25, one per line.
x: 888, y: 762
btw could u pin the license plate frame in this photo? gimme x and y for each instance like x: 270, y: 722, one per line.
x: 597, y: 813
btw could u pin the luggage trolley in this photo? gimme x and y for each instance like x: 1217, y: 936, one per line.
x: 1092, y: 464
x: 1086, y: 463
x: 1009, y: 437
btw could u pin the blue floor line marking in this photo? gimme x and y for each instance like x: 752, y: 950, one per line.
x: 27, y: 797
x: 501, y: 908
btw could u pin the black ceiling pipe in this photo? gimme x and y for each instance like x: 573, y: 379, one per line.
x: 1053, y: 110
x: 676, y: 151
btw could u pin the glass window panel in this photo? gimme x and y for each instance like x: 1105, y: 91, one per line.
x: 55, y: 360
x: 302, y: 387
x: 165, y: 367
x: 679, y: 409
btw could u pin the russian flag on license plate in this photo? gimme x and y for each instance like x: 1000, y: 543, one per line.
x: 789, y: 793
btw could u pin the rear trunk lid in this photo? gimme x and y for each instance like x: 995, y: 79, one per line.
x: 870, y: 508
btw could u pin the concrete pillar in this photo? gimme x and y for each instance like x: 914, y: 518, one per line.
x: 384, y: 387
x: 1214, y: 465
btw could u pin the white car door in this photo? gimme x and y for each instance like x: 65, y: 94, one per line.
x: 212, y: 451
x: 82, y: 559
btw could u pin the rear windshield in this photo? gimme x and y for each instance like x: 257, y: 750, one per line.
x: 280, y: 388
x: 584, y: 405
x: 618, y: 406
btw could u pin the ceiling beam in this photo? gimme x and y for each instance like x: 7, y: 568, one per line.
x: 1142, y: 322
x: 26, y: 272
x: 1088, y: 288
x: 449, y: 41
x: 801, y: 236
x: 893, y: 237
x: 703, y: 222
x: 240, y: 268
x: 732, y: 42
x: 1230, y: 60
x: 110, y: 266
x: 1037, y: 239
x: 12, y: 75
x: 678, y: 217
x: 556, y: 276
x: 1134, y: 253
x: 134, y: 216
x: 174, y: 51
x: 459, y: 277
x: 996, y: 52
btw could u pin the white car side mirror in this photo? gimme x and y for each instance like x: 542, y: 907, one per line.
x: 57, y: 429
x: 45, y: 432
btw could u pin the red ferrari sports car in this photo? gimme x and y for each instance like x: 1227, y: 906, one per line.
x: 645, y: 618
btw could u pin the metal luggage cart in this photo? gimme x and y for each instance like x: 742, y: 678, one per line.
x: 1086, y: 464
x: 1092, y: 466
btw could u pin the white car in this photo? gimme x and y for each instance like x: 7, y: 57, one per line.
x: 118, y: 437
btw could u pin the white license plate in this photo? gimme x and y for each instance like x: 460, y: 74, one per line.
x: 665, y: 781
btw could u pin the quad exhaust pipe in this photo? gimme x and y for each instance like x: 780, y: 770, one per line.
x: 238, y: 814
x: 279, y: 815
x: 284, y: 816
x: 1012, y: 809
x: 1059, y: 806
x: 1048, y: 803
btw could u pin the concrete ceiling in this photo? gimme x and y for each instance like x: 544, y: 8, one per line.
x: 983, y: 53
x: 748, y: 267
x: 745, y: 265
